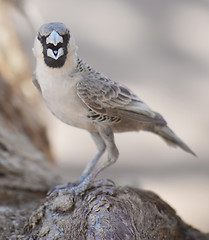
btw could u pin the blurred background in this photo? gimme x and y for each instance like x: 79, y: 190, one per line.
x: 160, y: 50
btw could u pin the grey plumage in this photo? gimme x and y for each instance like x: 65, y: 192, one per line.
x: 82, y: 97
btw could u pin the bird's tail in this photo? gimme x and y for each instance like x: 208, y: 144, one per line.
x: 171, y: 139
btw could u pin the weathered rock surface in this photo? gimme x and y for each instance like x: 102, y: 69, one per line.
x: 108, y: 212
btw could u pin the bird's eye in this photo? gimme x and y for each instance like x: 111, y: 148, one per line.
x: 39, y: 36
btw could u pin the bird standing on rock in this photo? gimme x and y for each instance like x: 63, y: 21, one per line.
x: 82, y: 97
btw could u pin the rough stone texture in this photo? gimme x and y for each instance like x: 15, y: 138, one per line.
x: 108, y: 212
x: 24, y: 149
x: 26, y: 171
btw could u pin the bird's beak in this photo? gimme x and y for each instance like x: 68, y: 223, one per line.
x: 53, y: 50
x: 54, y: 38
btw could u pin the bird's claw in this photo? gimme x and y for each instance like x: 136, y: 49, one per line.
x: 68, y: 186
x: 103, y: 182
x: 76, y: 188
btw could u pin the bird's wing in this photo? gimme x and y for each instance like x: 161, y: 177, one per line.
x: 35, y: 82
x: 105, y: 96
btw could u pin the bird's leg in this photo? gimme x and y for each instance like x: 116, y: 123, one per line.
x: 106, y: 134
x: 89, y: 175
x: 101, y: 148
x: 108, y: 137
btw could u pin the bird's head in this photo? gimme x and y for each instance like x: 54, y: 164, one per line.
x: 54, y: 44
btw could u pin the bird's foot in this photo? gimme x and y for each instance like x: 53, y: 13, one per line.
x: 103, y: 182
x: 78, y: 188
x: 63, y: 187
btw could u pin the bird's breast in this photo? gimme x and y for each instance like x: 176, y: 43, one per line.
x: 61, y: 98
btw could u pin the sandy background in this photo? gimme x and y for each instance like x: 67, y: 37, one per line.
x: 160, y: 50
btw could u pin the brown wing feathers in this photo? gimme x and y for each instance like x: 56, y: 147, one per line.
x: 114, y: 101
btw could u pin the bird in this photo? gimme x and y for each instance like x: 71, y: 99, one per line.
x: 82, y: 97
